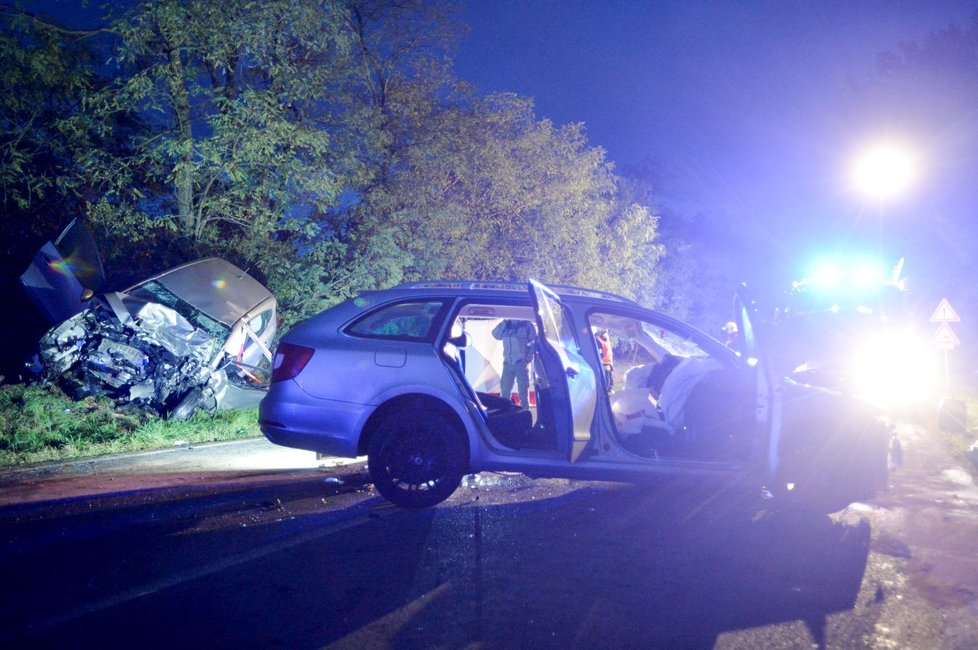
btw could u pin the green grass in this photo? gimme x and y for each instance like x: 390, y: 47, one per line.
x: 39, y: 423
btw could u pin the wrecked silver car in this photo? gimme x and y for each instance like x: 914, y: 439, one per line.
x: 196, y: 336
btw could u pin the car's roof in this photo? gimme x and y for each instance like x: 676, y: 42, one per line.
x: 214, y: 286
x: 489, y: 289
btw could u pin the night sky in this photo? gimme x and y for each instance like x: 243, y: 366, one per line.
x: 745, y: 110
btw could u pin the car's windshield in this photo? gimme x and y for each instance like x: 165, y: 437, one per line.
x: 672, y: 342
x: 153, y: 291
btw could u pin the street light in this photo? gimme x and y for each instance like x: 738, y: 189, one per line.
x: 884, y: 171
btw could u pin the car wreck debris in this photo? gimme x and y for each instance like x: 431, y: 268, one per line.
x: 155, y: 360
x: 195, y: 336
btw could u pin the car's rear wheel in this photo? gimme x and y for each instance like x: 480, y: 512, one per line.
x: 417, y: 458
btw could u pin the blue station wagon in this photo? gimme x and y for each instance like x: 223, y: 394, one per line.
x: 411, y: 378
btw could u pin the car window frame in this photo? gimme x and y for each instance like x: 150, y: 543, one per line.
x: 568, y: 371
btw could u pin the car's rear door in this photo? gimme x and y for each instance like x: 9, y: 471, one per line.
x: 572, y: 386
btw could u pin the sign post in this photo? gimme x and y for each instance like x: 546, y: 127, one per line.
x: 945, y: 338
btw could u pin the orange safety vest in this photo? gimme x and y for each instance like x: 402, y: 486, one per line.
x: 606, y: 358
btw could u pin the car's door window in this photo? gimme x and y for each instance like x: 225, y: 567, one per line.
x: 556, y: 326
x: 260, y: 322
x: 407, y: 321
x: 254, y: 347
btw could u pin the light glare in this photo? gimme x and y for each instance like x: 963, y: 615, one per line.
x: 893, y: 369
x: 885, y: 171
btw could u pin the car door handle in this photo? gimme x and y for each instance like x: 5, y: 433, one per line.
x: 571, y: 371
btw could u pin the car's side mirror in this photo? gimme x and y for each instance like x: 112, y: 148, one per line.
x: 87, y: 294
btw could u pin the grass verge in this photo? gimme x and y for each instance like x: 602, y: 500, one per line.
x: 40, y: 423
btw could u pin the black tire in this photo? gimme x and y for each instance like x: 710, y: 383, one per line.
x: 193, y: 400
x: 417, y: 459
x: 830, y: 476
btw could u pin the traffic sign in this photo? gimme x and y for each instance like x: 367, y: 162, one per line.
x: 944, y: 313
x: 945, y: 338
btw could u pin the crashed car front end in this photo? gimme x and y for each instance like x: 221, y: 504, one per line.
x: 154, y: 359
x: 198, y: 335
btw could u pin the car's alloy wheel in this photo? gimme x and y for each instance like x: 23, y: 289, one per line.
x: 417, y: 459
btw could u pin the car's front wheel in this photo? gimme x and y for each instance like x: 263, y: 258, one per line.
x: 839, y: 469
x: 417, y: 458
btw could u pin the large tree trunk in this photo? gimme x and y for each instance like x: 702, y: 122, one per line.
x: 183, y: 174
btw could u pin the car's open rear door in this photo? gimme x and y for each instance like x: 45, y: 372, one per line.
x: 768, y: 388
x: 573, y: 390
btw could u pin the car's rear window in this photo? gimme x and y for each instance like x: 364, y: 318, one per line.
x: 411, y: 321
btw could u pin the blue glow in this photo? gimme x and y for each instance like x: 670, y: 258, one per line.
x: 866, y: 275
x: 843, y: 274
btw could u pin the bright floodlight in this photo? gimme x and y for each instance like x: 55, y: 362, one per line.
x: 894, y: 368
x: 866, y: 275
x: 827, y: 275
x: 884, y: 171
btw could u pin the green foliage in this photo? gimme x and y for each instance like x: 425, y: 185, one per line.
x: 40, y: 423
x: 42, y: 77
x: 482, y: 189
x: 325, y: 147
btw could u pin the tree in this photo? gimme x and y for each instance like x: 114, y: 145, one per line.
x: 484, y: 190
x: 45, y: 73
x: 326, y: 147
x: 233, y: 101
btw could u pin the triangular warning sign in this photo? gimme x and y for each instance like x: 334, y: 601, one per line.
x: 945, y: 337
x: 944, y: 313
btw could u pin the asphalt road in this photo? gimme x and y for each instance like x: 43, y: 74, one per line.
x: 250, y: 545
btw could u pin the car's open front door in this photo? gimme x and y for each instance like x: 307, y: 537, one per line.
x: 768, y: 386
x: 572, y: 389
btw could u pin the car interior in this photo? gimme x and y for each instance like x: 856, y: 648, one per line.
x: 475, y: 357
x: 668, y: 398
